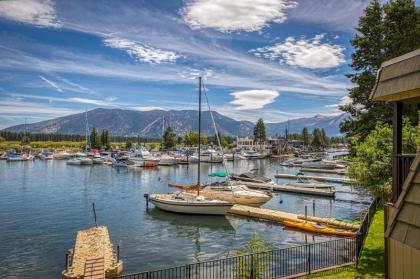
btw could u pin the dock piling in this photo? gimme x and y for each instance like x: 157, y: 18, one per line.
x: 94, y: 214
x: 313, y: 207
x: 67, y: 261
x: 306, y: 211
x: 146, y: 196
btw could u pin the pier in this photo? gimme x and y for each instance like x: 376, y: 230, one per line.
x: 280, y: 216
x: 334, y: 171
x: 320, y: 191
x: 317, y: 178
x: 92, y: 256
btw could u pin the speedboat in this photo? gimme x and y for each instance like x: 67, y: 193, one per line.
x: 80, y: 160
x: 166, y: 160
x: 190, y: 203
x: 211, y: 156
x: 62, y: 155
x: 252, y: 155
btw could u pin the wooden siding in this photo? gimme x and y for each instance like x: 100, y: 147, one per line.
x: 403, y: 261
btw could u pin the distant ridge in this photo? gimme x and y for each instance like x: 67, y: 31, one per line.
x: 148, y: 124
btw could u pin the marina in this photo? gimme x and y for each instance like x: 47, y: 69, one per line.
x: 118, y: 193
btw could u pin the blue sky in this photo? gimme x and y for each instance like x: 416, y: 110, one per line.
x: 276, y: 59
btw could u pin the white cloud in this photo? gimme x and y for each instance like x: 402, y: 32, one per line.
x: 143, y: 52
x: 228, y: 16
x: 306, y: 53
x: 37, y: 12
x: 51, y: 83
x: 253, y: 99
x: 146, y: 108
x: 106, y: 102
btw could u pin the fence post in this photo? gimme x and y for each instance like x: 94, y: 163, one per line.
x: 309, y: 259
x: 252, y: 267
x: 187, y: 271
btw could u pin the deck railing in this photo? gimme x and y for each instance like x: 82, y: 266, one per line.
x: 279, y: 263
x: 401, y: 168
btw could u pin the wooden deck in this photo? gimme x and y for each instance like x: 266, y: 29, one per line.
x: 314, y: 177
x: 93, y: 255
x: 279, y: 216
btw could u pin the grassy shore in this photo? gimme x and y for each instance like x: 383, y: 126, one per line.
x: 371, y: 263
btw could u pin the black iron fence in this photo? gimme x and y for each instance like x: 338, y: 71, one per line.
x: 280, y: 263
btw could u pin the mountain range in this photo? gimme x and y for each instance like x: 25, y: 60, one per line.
x: 149, y: 124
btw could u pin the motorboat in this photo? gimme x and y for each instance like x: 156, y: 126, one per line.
x: 211, y: 156
x: 166, y: 160
x: 189, y: 203
x: 252, y: 155
x: 142, y: 158
x: 318, y: 165
x: 62, y: 155
x: 250, y: 177
x: 80, y: 160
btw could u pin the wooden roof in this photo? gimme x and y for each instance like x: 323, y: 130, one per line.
x: 398, y: 79
x: 404, y: 225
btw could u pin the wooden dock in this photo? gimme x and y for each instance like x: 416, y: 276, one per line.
x: 279, y: 216
x: 317, y: 178
x: 334, y: 171
x: 321, y: 191
x: 92, y: 256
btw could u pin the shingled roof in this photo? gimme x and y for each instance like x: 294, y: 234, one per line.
x: 404, y: 225
x: 398, y: 79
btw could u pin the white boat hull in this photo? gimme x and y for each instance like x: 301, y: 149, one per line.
x: 190, y: 208
x: 237, y: 199
x: 211, y: 159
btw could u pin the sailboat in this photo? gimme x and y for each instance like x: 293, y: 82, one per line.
x: 191, y: 202
x: 81, y: 158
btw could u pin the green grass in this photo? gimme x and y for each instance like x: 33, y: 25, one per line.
x: 371, y: 264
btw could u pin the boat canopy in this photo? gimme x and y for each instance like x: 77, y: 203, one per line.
x: 219, y: 174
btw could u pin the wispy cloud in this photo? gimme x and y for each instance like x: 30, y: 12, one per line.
x: 228, y: 16
x: 142, y: 52
x: 51, y: 83
x: 306, y: 53
x: 37, y: 12
x: 253, y: 99
x: 146, y: 108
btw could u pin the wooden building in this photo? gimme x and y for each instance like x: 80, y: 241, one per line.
x: 398, y: 82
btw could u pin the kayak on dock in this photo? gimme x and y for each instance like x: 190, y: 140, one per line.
x: 312, y: 227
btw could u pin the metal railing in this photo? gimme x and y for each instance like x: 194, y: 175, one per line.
x: 401, y: 168
x: 279, y: 263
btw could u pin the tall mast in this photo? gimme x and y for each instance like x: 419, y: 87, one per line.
x: 199, y: 133
x: 86, y: 131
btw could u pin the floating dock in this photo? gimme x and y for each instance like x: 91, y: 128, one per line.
x: 317, y: 178
x: 335, y: 171
x: 92, y: 256
x: 280, y: 216
x: 321, y: 191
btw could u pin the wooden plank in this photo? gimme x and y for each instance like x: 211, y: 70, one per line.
x: 95, y: 268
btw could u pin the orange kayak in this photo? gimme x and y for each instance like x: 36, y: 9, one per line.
x: 319, y: 229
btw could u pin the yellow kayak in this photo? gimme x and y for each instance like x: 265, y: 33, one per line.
x: 319, y: 229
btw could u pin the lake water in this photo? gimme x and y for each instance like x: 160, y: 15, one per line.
x: 44, y: 203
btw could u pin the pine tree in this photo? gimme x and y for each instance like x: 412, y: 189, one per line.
x: 305, y: 136
x: 324, y: 138
x: 105, y: 139
x: 95, y: 141
x: 169, y: 138
x: 259, y: 131
x: 317, y: 139
x: 383, y: 33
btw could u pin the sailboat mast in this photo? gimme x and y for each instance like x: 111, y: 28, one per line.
x: 199, y: 133
x: 86, y: 131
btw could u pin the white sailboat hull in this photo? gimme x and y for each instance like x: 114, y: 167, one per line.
x: 185, y: 207
x: 237, y: 199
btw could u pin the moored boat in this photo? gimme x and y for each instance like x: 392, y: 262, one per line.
x: 189, y: 203
x: 312, y: 227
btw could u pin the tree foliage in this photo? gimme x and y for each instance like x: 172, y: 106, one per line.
x: 383, y: 32
x: 372, y: 164
x: 191, y: 139
x: 258, y: 267
x: 169, y: 139
x: 305, y: 136
x: 105, y: 139
x: 259, y: 131
x: 94, y: 139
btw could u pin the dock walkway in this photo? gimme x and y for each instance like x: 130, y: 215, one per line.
x: 93, y: 255
x: 280, y: 216
x: 314, y: 177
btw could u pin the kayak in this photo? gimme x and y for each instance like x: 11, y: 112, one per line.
x: 319, y: 229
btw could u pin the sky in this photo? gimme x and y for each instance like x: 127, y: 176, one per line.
x: 275, y: 59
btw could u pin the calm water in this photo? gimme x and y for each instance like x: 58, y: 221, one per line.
x: 44, y: 203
